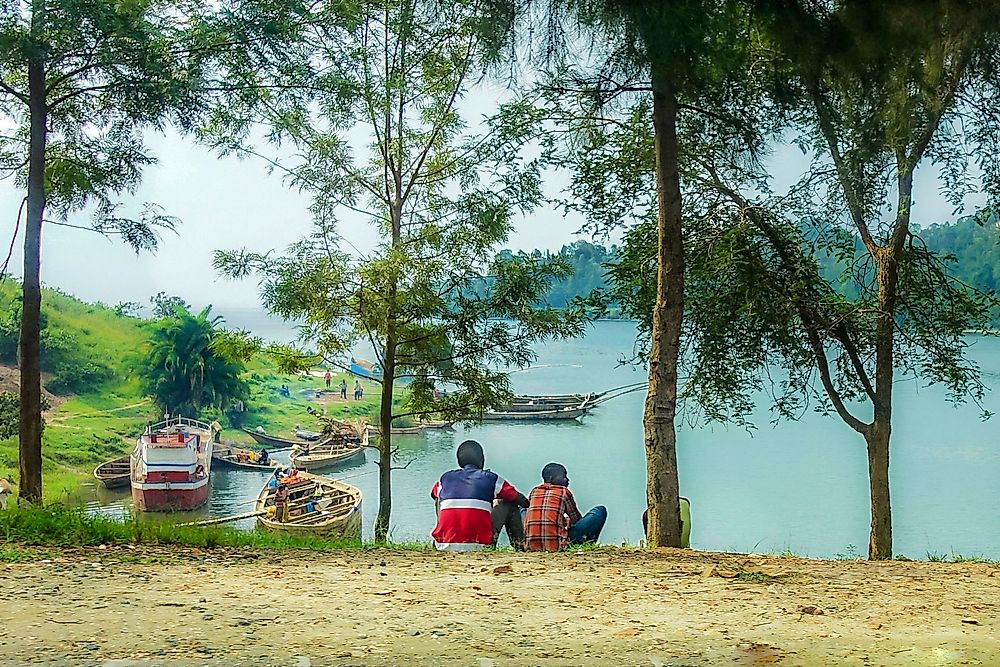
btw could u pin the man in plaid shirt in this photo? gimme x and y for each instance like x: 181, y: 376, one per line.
x: 553, y: 520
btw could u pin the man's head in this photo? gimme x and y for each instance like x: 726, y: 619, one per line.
x: 470, y: 453
x: 555, y: 473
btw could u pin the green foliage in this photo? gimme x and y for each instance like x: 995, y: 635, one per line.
x: 184, y: 372
x: 10, y: 408
x: 165, y: 305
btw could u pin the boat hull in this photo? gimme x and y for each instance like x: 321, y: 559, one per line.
x: 541, y: 415
x: 317, y: 462
x: 271, y: 441
x: 114, y: 474
x: 170, y: 497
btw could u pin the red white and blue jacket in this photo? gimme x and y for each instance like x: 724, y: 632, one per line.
x: 465, y: 504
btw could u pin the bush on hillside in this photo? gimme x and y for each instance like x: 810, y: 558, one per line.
x: 10, y: 413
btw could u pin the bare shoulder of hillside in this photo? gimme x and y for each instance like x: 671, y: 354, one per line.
x: 10, y: 380
x: 613, y: 607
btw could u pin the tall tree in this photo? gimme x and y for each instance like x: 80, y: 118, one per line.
x: 671, y: 51
x: 885, y: 87
x: 440, y: 309
x: 78, y: 80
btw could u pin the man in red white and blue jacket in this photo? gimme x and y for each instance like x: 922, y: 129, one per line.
x: 473, y: 504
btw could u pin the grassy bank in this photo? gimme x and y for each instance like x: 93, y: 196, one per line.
x: 93, y: 354
x: 60, y: 526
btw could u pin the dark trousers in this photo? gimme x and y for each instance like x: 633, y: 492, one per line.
x: 508, y: 515
x: 589, y: 527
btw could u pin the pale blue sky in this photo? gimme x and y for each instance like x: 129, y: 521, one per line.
x: 227, y: 203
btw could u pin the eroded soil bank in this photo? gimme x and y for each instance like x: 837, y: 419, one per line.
x: 120, y: 606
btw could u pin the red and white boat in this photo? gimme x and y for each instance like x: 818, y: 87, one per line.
x: 171, y: 464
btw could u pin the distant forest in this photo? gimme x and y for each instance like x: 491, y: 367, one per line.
x: 975, y: 248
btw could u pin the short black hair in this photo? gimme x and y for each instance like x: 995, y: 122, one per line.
x: 470, y: 452
x: 551, y: 471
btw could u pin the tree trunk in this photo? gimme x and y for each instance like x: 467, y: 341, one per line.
x: 880, y: 540
x: 30, y: 452
x: 662, y: 489
x: 381, y: 531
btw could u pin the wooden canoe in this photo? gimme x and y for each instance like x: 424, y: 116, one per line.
x: 271, y: 441
x: 337, y: 511
x: 239, y: 459
x: 571, y: 400
x: 114, y: 474
x: 311, y: 436
x: 406, y: 430
x: 533, y: 415
x: 333, y: 451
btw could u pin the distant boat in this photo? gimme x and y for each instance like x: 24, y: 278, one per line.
x: 418, y: 428
x: 534, y: 415
x: 302, y: 434
x: 171, y: 465
x: 335, y: 510
x: 114, y: 474
x: 365, y: 369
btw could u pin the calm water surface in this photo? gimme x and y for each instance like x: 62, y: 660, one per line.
x: 800, y: 486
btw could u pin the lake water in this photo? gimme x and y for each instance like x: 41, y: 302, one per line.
x: 800, y: 486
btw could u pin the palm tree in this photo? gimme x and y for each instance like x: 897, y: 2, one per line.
x: 183, y: 372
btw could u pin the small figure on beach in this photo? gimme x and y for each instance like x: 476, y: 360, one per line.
x: 343, y: 389
x: 553, y: 521
x: 474, y: 504
x: 328, y: 377
x: 358, y: 391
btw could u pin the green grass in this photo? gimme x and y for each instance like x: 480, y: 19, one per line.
x: 753, y: 577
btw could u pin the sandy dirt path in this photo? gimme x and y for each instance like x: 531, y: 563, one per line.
x: 120, y: 607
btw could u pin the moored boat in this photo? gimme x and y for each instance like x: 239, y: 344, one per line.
x: 531, y: 415
x: 114, y: 474
x: 303, y: 434
x: 316, y: 505
x: 270, y: 440
x: 240, y: 459
x: 338, y: 449
x: 418, y: 428
x: 171, y: 465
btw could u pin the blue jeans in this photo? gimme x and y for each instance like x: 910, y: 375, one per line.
x: 589, y: 527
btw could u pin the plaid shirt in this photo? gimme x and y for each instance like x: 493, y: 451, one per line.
x: 551, y: 511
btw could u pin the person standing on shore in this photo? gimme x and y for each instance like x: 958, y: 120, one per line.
x: 358, y: 391
x: 553, y: 520
x: 328, y: 377
x: 343, y: 389
x: 474, y: 504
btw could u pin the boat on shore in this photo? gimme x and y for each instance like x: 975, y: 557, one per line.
x: 171, y: 465
x: 316, y: 505
x: 337, y: 449
x: 235, y: 458
x: 272, y: 441
x: 535, y: 415
x: 310, y: 436
x: 114, y: 474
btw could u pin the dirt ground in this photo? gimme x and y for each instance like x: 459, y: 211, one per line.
x: 119, y: 607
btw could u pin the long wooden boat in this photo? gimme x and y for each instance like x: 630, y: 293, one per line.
x: 272, y: 441
x: 406, y: 430
x: 555, y: 400
x: 560, y: 413
x: 114, y: 474
x: 235, y: 458
x: 334, y: 510
x: 336, y: 450
x: 311, y: 436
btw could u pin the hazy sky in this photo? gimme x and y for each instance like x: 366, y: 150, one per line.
x: 227, y: 203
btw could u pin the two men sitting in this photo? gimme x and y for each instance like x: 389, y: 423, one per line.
x: 474, y: 504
